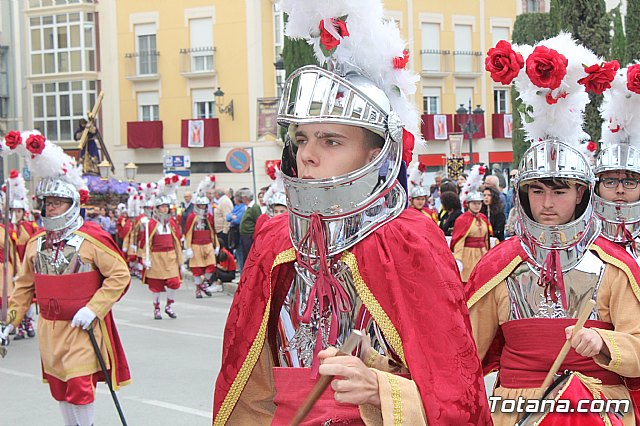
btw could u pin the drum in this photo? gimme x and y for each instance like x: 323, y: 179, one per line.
x: 563, y: 404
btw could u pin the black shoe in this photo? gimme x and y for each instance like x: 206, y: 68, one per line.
x: 156, y: 314
x: 169, y: 311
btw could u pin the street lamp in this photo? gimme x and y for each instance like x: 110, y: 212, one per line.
x: 131, y: 170
x: 104, y: 168
x: 470, y: 127
x: 219, y: 95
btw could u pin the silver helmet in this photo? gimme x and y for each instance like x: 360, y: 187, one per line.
x: 419, y: 191
x: 161, y: 201
x: 201, y: 200
x: 475, y: 196
x: 70, y: 220
x: 620, y: 221
x: 552, y: 159
x: 367, y: 197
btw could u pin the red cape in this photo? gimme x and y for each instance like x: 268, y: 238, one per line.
x: 463, y: 224
x: 123, y: 229
x: 502, y: 260
x: 407, y: 285
x: 191, y: 219
x: 120, y: 375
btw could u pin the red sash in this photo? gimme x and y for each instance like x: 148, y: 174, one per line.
x: 531, y: 346
x: 162, y: 243
x: 21, y: 248
x: 60, y: 296
x: 292, y: 387
x: 201, y: 237
x: 475, y: 242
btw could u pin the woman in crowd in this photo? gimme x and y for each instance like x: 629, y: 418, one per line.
x: 493, y: 208
x: 453, y: 210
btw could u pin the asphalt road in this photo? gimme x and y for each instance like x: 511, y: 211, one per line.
x: 173, y: 365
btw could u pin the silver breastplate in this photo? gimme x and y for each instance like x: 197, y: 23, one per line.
x: 201, y: 224
x: 52, y: 260
x: 297, y: 340
x: 581, y: 283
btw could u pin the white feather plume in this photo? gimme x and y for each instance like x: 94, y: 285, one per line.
x: 18, y: 189
x: 473, y: 183
x: 619, y: 110
x: 206, y: 184
x: 276, y: 187
x: 564, y: 119
x: 372, y: 45
x: 416, y: 177
x: 52, y: 162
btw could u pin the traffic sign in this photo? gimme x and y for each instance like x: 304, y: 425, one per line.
x: 184, y: 173
x: 177, y: 161
x: 26, y: 173
x: 238, y: 160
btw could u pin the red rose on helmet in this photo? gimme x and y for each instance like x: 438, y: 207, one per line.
x: 503, y: 63
x: 327, y: 40
x: 633, y: 78
x: 212, y: 178
x: 399, y: 62
x: 175, y: 178
x: 592, y: 146
x: 408, y: 141
x: 35, y: 144
x: 84, y: 196
x: 13, y: 139
x: 546, y: 67
x: 167, y: 180
x: 13, y: 174
x: 599, y: 77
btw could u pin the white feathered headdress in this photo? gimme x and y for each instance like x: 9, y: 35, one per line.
x: 620, y: 109
x: 551, y: 78
x: 45, y: 159
x: 207, y: 183
x: 357, y: 33
x: 167, y: 186
x: 473, y: 183
x: 18, y: 192
x: 275, y: 194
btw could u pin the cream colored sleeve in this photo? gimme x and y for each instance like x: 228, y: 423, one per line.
x: 116, y: 277
x: 24, y: 288
x: 400, y: 402
x: 487, y: 314
x: 618, y: 305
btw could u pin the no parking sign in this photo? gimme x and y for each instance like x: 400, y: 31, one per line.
x: 238, y: 160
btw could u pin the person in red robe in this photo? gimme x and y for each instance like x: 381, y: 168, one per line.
x: 201, y: 246
x: 470, y: 238
x: 79, y: 273
x: 162, y: 267
x: 348, y: 256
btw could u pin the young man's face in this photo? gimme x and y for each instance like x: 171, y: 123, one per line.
x: 618, y: 185
x: 554, y: 206
x: 461, y: 181
x: 55, y: 206
x: 18, y: 214
x: 278, y: 209
x: 326, y: 150
x: 418, y: 202
x: 163, y: 209
x: 475, y: 206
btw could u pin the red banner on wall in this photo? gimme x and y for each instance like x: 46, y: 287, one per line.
x: 436, y: 126
x: 144, y: 134
x: 193, y: 136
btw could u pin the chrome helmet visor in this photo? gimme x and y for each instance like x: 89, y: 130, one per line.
x: 554, y: 163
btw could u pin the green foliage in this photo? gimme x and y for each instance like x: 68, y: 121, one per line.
x: 590, y: 24
x: 632, y: 29
x: 531, y: 28
x: 618, y: 42
x: 517, y: 134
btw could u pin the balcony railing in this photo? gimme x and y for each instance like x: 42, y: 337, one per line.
x: 196, y: 61
x: 142, y: 65
x: 467, y: 63
x: 435, y: 62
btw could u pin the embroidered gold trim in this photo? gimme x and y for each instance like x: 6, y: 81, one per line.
x: 502, y: 275
x: 617, y: 357
x: 371, y: 358
x: 372, y: 305
x: 619, y: 264
x: 396, y: 397
x: 250, y: 361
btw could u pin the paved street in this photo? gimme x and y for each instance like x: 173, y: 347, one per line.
x: 173, y: 365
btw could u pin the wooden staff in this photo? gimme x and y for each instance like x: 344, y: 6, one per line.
x: 5, y: 264
x: 347, y: 347
x: 584, y: 315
